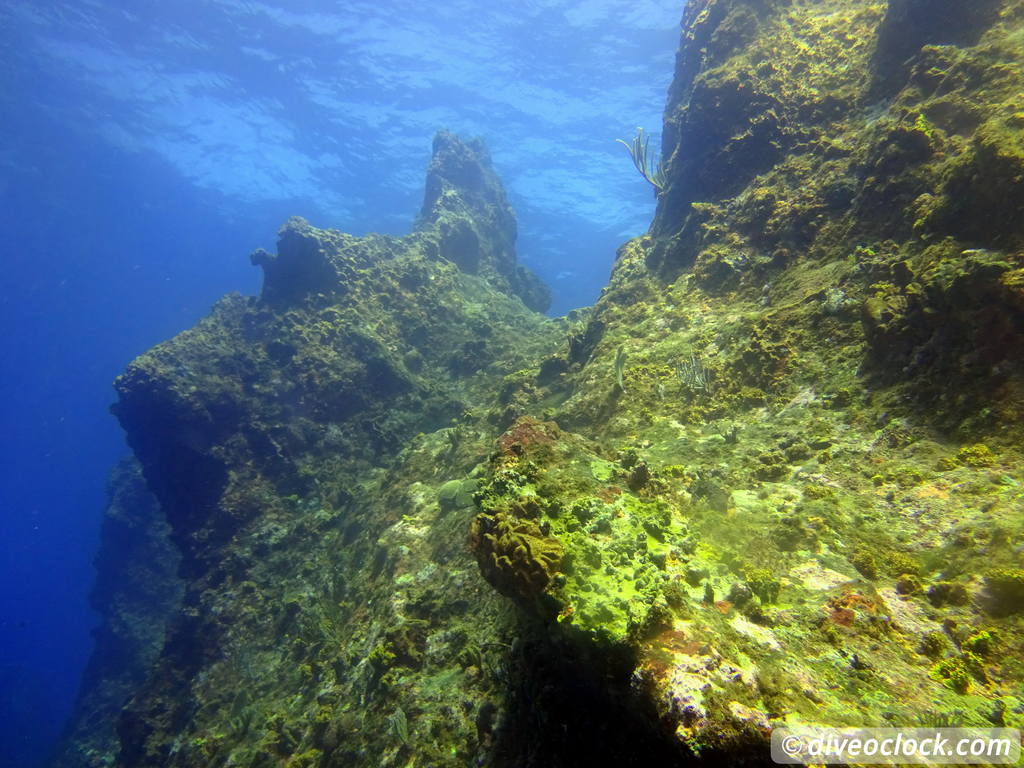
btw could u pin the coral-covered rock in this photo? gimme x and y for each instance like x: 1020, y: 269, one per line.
x: 465, y: 206
x: 514, y: 554
x: 294, y: 443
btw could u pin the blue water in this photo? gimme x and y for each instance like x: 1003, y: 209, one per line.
x: 146, y: 148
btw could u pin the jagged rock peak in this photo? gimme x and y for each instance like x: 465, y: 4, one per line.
x: 465, y: 203
x: 464, y: 168
x: 466, y: 219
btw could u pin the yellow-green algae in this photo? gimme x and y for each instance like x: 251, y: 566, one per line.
x: 819, y: 387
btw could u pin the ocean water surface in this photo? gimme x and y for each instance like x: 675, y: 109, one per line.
x: 148, y: 147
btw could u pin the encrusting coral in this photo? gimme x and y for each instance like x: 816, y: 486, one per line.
x: 514, y: 554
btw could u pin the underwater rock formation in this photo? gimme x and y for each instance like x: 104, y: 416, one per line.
x: 466, y: 219
x: 781, y: 148
x: 298, y: 444
x: 799, y: 500
x: 772, y: 477
x: 136, y: 593
x: 465, y: 205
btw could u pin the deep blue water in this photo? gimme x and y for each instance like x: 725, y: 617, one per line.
x: 146, y: 148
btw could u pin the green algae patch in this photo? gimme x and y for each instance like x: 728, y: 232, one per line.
x: 595, y: 557
x: 602, y: 470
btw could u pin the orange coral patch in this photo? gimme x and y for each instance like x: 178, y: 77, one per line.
x: 842, y: 616
x: 525, y: 434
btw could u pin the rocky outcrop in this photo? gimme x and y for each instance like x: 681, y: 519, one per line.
x: 885, y: 138
x: 299, y: 444
x: 465, y: 219
x: 465, y: 204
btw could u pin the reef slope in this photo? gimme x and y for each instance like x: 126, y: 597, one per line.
x: 784, y: 483
x: 773, y: 477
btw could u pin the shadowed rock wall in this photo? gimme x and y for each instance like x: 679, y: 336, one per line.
x: 136, y: 594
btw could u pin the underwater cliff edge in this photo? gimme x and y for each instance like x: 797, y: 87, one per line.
x: 294, y: 442
x: 773, y: 477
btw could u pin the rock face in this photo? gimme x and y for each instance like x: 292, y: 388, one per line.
x: 465, y: 204
x: 782, y: 479
x: 772, y: 477
x: 136, y: 594
x: 885, y: 136
x: 312, y: 451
